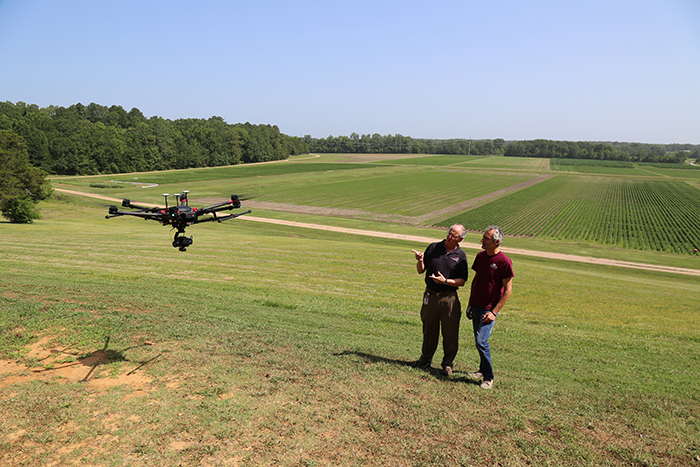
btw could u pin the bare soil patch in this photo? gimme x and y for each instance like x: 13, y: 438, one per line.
x: 51, y: 363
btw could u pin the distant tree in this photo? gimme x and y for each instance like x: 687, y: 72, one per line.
x: 21, y: 184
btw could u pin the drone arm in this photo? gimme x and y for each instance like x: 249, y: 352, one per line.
x: 224, y: 218
x: 143, y: 215
x: 232, y: 216
x: 128, y: 204
x: 234, y: 203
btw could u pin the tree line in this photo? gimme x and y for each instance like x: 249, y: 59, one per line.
x: 95, y: 139
x: 399, y: 144
x: 628, y: 152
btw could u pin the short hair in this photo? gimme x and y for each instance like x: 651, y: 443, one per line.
x: 497, y: 234
x: 464, y: 230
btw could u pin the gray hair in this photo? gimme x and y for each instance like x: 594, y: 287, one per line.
x: 497, y: 234
x: 464, y: 230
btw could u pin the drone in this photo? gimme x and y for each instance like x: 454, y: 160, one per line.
x: 179, y: 216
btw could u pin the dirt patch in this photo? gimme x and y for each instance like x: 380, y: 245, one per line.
x: 50, y: 363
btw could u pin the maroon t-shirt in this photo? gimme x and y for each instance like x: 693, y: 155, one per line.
x: 490, y: 272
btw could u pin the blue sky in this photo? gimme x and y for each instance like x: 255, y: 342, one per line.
x: 612, y: 70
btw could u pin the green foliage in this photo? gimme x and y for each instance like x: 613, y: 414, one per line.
x: 19, y: 210
x: 95, y: 139
x: 598, y: 151
x: 21, y: 185
x: 399, y: 144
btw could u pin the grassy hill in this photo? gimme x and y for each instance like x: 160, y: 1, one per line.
x: 278, y: 345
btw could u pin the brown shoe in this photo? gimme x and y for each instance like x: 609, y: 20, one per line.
x: 447, y: 371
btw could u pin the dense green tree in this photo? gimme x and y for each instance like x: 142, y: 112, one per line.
x: 96, y: 139
x: 629, y: 152
x: 21, y: 184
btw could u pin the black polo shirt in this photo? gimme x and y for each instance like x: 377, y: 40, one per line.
x: 452, y: 265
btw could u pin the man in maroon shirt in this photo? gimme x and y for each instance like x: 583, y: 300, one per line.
x: 491, y: 288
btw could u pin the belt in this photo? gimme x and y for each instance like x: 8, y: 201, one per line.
x: 443, y: 294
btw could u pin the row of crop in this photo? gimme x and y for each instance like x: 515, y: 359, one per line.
x: 519, y: 213
x: 589, y: 215
x: 639, y: 214
x: 652, y: 215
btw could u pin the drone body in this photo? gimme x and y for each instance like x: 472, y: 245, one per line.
x: 179, y: 216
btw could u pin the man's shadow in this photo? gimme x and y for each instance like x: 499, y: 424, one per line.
x: 457, y: 376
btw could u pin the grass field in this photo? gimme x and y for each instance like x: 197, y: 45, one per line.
x: 268, y: 345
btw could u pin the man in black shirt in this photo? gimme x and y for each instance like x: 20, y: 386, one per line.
x: 446, y: 269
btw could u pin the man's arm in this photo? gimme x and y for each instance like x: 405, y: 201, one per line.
x: 440, y: 279
x: 420, y: 267
x: 507, y: 291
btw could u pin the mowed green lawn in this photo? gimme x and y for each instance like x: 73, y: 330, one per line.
x: 271, y: 345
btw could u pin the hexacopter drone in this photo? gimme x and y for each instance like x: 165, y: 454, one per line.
x: 179, y: 216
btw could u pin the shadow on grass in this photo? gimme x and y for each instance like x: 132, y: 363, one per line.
x: 457, y: 376
x: 93, y: 360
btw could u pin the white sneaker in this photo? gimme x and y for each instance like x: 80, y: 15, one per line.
x: 487, y: 384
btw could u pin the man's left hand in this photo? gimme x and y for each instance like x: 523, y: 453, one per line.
x: 439, y: 279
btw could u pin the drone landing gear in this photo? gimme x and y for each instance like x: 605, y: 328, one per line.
x: 182, y: 242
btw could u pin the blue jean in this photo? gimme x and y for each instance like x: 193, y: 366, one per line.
x: 482, y: 332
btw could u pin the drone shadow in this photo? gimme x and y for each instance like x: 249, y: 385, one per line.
x: 457, y: 376
x: 54, y: 361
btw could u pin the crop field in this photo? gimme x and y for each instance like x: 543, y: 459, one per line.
x: 218, y: 173
x: 407, y: 191
x: 625, y: 168
x: 437, y: 160
x: 613, y: 207
x: 519, y: 163
x: 627, y: 213
x: 271, y: 345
